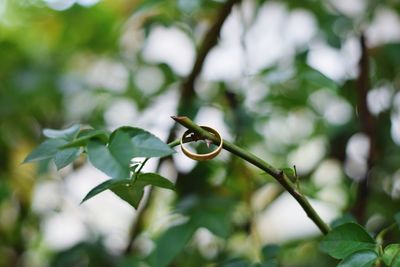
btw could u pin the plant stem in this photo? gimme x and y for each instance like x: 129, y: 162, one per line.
x: 279, y: 175
x: 381, y: 235
x: 175, y: 143
x: 138, y: 223
x: 210, y: 40
x: 367, y: 126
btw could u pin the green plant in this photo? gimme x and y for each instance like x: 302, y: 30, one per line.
x: 52, y: 74
x: 113, y: 152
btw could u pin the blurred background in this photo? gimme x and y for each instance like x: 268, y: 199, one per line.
x: 313, y: 84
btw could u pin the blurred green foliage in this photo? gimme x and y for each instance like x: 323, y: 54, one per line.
x: 47, y: 59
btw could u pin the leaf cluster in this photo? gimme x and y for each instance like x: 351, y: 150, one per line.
x: 354, y: 246
x: 111, y: 153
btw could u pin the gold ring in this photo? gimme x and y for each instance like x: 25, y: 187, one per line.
x: 202, y: 157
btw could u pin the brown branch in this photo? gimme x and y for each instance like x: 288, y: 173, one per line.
x: 209, y: 41
x: 138, y: 222
x: 187, y: 95
x: 367, y: 125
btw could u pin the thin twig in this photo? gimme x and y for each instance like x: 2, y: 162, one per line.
x: 279, y: 175
x: 210, y: 40
x: 367, y: 125
x: 137, y: 223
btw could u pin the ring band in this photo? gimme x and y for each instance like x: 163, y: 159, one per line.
x: 207, y: 156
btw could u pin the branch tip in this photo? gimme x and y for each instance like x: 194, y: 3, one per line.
x: 178, y: 118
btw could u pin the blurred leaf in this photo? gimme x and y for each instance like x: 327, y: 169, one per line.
x: 188, y: 5
x: 238, y: 263
x: 391, y: 255
x: 211, y: 212
x: 294, y: 87
x: 316, y: 78
x: 269, y: 255
x: 5, y: 190
x: 171, y: 243
x: 270, y: 252
x: 83, y: 254
x: 388, y: 59
x: 68, y: 134
x: 363, y: 258
x: 216, y: 222
x: 397, y: 219
x: 147, y: 4
x: 66, y: 156
x: 45, y: 150
x: 346, y: 239
x: 130, y: 261
x: 272, y: 263
x: 99, y: 23
x: 156, y: 180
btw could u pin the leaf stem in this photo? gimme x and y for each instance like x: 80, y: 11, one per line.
x: 171, y: 144
x: 279, y: 175
x: 381, y: 235
x: 175, y: 143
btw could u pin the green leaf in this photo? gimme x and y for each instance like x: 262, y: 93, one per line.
x: 346, y: 239
x: 54, y: 147
x: 45, y: 150
x: 104, y: 186
x: 238, y: 262
x: 147, y: 4
x: 363, y: 258
x: 189, y: 6
x: 269, y: 263
x: 270, y: 251
x: 217, y: 223
x: 156, y: 180
x: 269, y: 254
x: 290, y: 173
x: 391, y: 255
x: 213, y: 213
x: 86, y: 135
x: 66, y: 156
x: 144, y: 143
x: 114, y: 159
x: 170, y: 243
x: 130, y: 261
x: 397, y: 219
x: 316, y: 78
x: 346, y: 218
x: 121, y: 148
x: 67, y: 134
x: 132, y: 194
